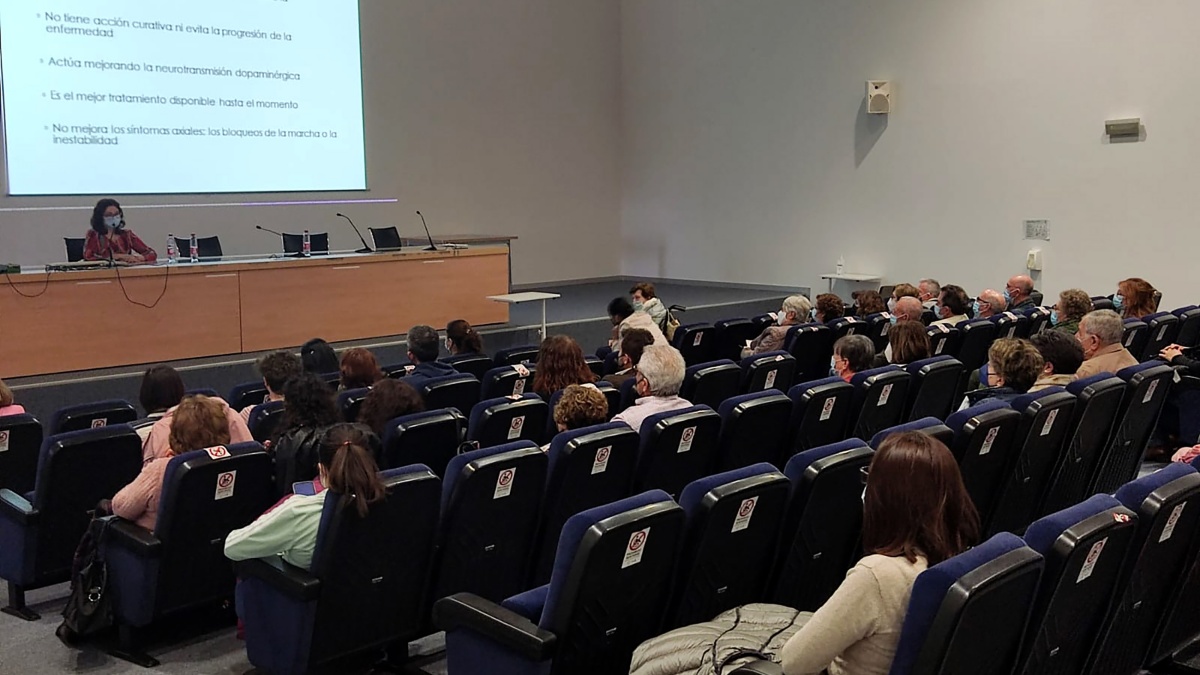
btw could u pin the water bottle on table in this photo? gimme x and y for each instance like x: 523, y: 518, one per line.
x: 194, y: 249
x: 307, y: 249
x: 172, y: 250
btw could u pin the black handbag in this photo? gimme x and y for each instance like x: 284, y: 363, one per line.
x: 89, y: 608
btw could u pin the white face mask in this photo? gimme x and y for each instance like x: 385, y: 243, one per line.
x: 780, y: 317
x: 891, y: 304
x: 113, y: 222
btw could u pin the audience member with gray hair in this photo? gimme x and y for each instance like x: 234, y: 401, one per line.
x: 659, y: 376
x: 930, y: 291
x: 423, y: 344
x: 795, y: 310
x: 1100, y: 334
x: 989, y: 304
x: 852, y: 354
x: 907, y: 308
x: 1019, y: 293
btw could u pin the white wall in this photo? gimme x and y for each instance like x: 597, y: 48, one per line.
x: 748, y: 156
x: 489, y: 116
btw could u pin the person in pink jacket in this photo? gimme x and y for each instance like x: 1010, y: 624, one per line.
x: 158, y: 444
x: 7, y: 407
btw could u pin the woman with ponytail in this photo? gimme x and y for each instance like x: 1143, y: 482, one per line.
x: 289, y: 530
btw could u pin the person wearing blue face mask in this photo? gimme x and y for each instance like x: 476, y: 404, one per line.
x: 951, y: 308
x: 1135, y: 298
x: 109, y: 239
x: 989, y: 304
x: 1018, y: 293
x: 1072, y: 305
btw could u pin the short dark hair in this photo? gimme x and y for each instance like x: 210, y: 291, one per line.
x: 464, y: 338
x: 387, y: 400
x: 277, y: 368
x: 1060, y: 350
x: 318, y: 357
x: 858, y: 350
x: 620, y: 308
x: 162, y: 389
x: 423, y: 343
x: 955, y: 297
x: 634, y: 341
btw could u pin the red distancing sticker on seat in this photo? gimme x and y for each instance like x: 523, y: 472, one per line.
x: 685, y: 439
x: 1093, y: 557
x: 742, y: 520
x: 770, y: 381
x: 1049, y: 422
x: 1172, y: 520
x: 884, y: 395
x: 827, y: 409
x: 217, y: 452
x: 1150, y: 391
x: 99, y: 422
x: 635, y: 548
x: 600, y: 465
x: 989, y: 441
x: 514, y: 429
x: 518, y: 388
x: 4, y: 436
x: 225, y: 483
x: 699, y: 337
x: 504, y: 483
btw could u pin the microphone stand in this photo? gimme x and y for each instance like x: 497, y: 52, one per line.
x: 365, y: 248
x: 432, y: 246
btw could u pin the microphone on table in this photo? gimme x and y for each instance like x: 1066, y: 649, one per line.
x: 432, y: 246
x: 277, y: 234
x: 365, y: 248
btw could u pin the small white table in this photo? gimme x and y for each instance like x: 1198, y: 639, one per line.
x: 528, y: 296
x: 857, y: 278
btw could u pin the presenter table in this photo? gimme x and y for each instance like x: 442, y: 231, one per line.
x: 64, y: 321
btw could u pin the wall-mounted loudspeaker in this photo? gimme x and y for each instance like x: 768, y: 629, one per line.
x: 879, y: 97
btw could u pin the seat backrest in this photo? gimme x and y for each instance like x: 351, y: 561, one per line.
x: 733, y: 522
x: 489, y: 516
x: 611, y: 581
x: 711, y: 383
x: 985, y: 437
x: 350, y: 401
x: 1011, y: 325
x: 512, y: 380
x: 460, y: 392
x: 847, y: 325
x: 930, y: 426
x: 265, y: 420
x: 823, y: 523
x: 769, y: 370
x: 430, y: 438
x: 1189, y: 326
x: 676, y: 448
x: 977, y: 338
x: 75, y: 471
x: 696, y: 341
x: 731, y: 335
x: 628, y: 394
x: 811, y: 344
x: 934, y: 384
x: 1098, y: 400
x: 91, y: 416
x: 247, y: 394
x: 1102, y: 302
x: 474, y: 364
x: 75, y: 247
x: 595, y: 364
x: 374, y: 570
x: 1161, y: 328
x: 206, y: 247
x: 754, y: 428
x: 1137, y: 334
x: 206, y: 494
x: 1162, y: 550
x: 399, y: 370
x: 1147, y: 388
x: 587, y: 468
x: 821, y: 412
x: 385, y: 237
x: 1039, y: 319
x: 506, y: 419
x: 202, y: 391
x: 967, y: 614
x: 1084, y: 548
x: 880, y: 395
x: 20, y: 441
x: 944, y: 340
x: 1041, y: 435
x: 878, y: 326
x: 514, y: 355
x: 1181, y: 622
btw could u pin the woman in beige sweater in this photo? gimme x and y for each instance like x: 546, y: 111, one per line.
x: 916, y: 513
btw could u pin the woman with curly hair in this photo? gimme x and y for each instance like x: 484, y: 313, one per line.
x: 308, y: 410
x: 560, y: 364
x: 1072, y: 305
x: 386, y: 401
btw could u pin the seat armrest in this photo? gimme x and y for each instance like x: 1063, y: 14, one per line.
x: 16, y: 508
x: 133, y: 537
x: 1188, y: 382
x: 759, y: 668
x: 466, y: 610
x: 288, y: 579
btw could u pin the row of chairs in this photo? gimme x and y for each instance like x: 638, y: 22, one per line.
x: 210, y: 247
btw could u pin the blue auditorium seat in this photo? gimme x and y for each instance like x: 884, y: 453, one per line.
x: 365, y: 588
x: 629, y: 395
x: 39, y: 530
x: 676, y: 448
x: 1161, y: 330
x: 265, y: 420
x: 247, y: 394
x: 930, y: 426
x: 878, y: 326
x: 733, y: 522
x: 588, y: 467
x: 846, y: 325
x: 489, y: 516
x: 506, y: 419
x: 1176, y: 646
x: 612, y: 397
x: 754, y: 428
x: 977, y: 338
x: 1039, y: 319
x: 696, y: 341
x: 769, y: 370
x: 1161, y: 551
x: 1011, y: 325
x: 967, y: 614
x: 1041, y: 436
x: 1137, y: 336
x: 430, y: 438
x: 880, y: 395
x: 1085, y: 548
x: 460, y: 391
x: 202, y: 391
x: 514, y: 355
x: 811, y: 344
x: 985, y: 436
x: 182, y: 563
x: 596, y: 365
x: 92, y: 415
x: 512, y: 380
x: 1189, y: 325
x: 934, y: 384
x: 711, y: 383
x: 1147, y: 387
x: 821, y: 412
x: 1098, y: 399
x: 471, y: 364
x: 20, y: 441
x: 943, y: 340
x: 821, y: 530
x: 612, y: 577
x: 350, y: 401
x: 731, y: 335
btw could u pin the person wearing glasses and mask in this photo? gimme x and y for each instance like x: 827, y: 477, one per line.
x: 110, y: 240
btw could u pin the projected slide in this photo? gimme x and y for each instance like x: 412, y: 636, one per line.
x: 124, y: 97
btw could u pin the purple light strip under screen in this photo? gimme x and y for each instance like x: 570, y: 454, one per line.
x: 313, y: 202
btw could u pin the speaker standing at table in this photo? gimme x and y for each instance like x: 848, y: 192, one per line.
x: 110, y: 240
